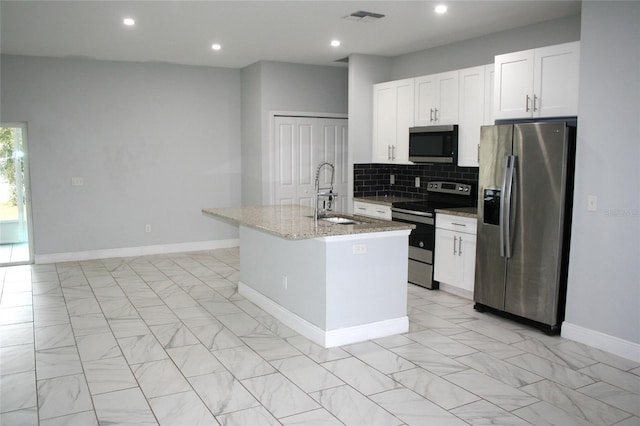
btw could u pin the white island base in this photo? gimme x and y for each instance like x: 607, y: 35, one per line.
x: 333, y: 290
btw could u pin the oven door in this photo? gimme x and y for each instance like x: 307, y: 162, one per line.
x: 421, y: 242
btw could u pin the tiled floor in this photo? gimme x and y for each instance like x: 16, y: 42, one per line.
x: 167, y: 339
x: 14, y: 253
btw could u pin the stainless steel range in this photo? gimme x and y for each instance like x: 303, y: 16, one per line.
x: 421, y: 213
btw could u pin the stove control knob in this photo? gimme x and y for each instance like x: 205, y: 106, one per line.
x: 421, y: 244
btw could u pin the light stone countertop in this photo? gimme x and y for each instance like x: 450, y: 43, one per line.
x: 385, y: 200
x: 296, y: 222
x: 460, y: 211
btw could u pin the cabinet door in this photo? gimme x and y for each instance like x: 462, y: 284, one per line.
x: 513, y: 87
x: 404, y: 120
x: 472, y: 106
x: 445, y: 264
x: 489, y: 83
x: 555, y: 80
x: 467, y: 253
x: 425, y: 100
x: 384, y: 122
x: 447, y: 98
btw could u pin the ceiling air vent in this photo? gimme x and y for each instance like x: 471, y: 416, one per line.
x: 363, y: 16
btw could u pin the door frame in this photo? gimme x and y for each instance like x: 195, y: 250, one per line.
x: 272, y: 143
x: 27, y: 188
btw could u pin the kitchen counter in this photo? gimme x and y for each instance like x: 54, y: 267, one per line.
x: 334, y: 284
x: 460, y: 211
x: 296, y: 222
x: 385, y: 200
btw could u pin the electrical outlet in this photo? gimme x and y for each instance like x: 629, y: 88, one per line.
x: 147, y: 228
x: 592, y: 203
x: 392, y: 179
x: 417, y: 181
x: 77, y: 181
x: 359, y: 249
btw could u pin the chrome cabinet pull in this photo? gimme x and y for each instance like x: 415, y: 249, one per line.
x: 458, y: 224
x: 393, y: 152
x: 388, y: 152
x: 431, y: 114
x: 454, y: 244
x: 526, y: 105
x: 460, y: 246
x: 535, y: 101
x: 435, y: 114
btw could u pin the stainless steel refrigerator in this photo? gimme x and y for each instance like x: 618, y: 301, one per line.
x: 524, y: 211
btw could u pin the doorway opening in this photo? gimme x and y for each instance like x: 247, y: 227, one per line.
x: 15, y: 209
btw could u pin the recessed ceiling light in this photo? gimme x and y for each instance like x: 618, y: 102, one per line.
x: 216, y: 46
x: 440, y: 9
x: 335, y: 43
x: 129, y: 22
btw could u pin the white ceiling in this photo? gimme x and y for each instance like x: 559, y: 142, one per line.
x: 249, y: 31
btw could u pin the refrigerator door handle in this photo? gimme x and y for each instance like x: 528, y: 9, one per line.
x: 503, y: 190
x: 507, y: 202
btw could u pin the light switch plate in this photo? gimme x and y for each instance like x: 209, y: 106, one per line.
x: 417, y: 181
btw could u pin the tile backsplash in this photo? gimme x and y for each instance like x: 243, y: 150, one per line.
x: 374, y: 179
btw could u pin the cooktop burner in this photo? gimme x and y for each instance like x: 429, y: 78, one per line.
x: 441, y: 195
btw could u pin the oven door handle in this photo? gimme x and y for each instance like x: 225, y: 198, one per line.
x: 412, y: 212
x: 399, y: 214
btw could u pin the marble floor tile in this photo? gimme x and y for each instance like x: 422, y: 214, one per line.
x: 9, y: 299
x: 160, y: 378
x: 433, y: 322
x: 568, y: 346
x: 92, y: 323
x: 576, y: 403
x: 243, y: 325
x: 352, y: 408
x: 278, y: 395
x: 119, y: 309
x: 545, y: 414
x: 379, y: 358
x: 429, y: 359
x: 108, y: 375
x: 127, y: 406
x: 212, y: 334
x: 85, y: 418
x: 413, y: 409
x: 554, y: 354
x: 173, y: 335
x: 17, y: 391
x: 157, y: 314
x: 306, y: 374
x: 252, y: 416
x: 16, y: 334
x: 434, y: 388
x: 139, y: 349
x: 78, y: 307
x: 484, y: 413
x: 315, y: 351
x: 194, y: 360
x: 97, y: 346
x: 619, y: 398
x: 614, y: 376
x: 271, y: 347
x: 22, y: 417
x: 54, y: 336
x: 243, y: 362
x: 504, y: 396
x: 443, y: 344
x: 361, y: 376
x: 494, y: 331
x: 48, y: 315
x: 63, y: 395
x: 499, y: 370
x: 57, y: 362
x: 181, y: 409
x: 128, y: 327
x: 219, y: 306
x: 488, y: 345
x: 222, y: 393
x: 16, y: 359
x: 320, y: 417
x: 549, y: 370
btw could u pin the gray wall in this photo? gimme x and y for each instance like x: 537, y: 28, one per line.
x: 155, y: 144
x: 481, y: 50
x: 604, y: 275
x: 278, y: 86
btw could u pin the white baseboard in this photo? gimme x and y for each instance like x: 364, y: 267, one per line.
x: 612, y: 344
x: 326, y: 339
x: 135, y: 251
x: 448, y: 288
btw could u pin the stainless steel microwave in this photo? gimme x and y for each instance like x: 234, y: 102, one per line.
x: 434, y: 144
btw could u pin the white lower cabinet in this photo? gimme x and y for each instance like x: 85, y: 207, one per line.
x: 455, y: 253
x: 377, y: 211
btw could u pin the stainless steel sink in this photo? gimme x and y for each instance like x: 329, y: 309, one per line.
x: 341, y: 220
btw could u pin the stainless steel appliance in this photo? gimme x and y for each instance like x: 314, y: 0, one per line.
x: 421, y: 214
x: 433, y: 144
x: 524, y: 211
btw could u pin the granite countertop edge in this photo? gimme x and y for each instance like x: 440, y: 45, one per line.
x: 471, y: 212
x: 294, y: 223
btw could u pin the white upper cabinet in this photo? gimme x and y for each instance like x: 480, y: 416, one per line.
x: 436, y: 99
x: 537, y: 83
x: 471, y: 114
x: 392, y: 117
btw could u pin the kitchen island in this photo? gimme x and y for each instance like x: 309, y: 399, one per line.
x: 333, y: 283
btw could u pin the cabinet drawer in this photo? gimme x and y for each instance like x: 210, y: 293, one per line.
x: 377, y: 211
x: 464, y: 224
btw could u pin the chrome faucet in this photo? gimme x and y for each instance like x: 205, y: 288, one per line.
x: 326, y: 204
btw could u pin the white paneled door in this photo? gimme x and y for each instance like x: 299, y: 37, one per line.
x: 300, y: 144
